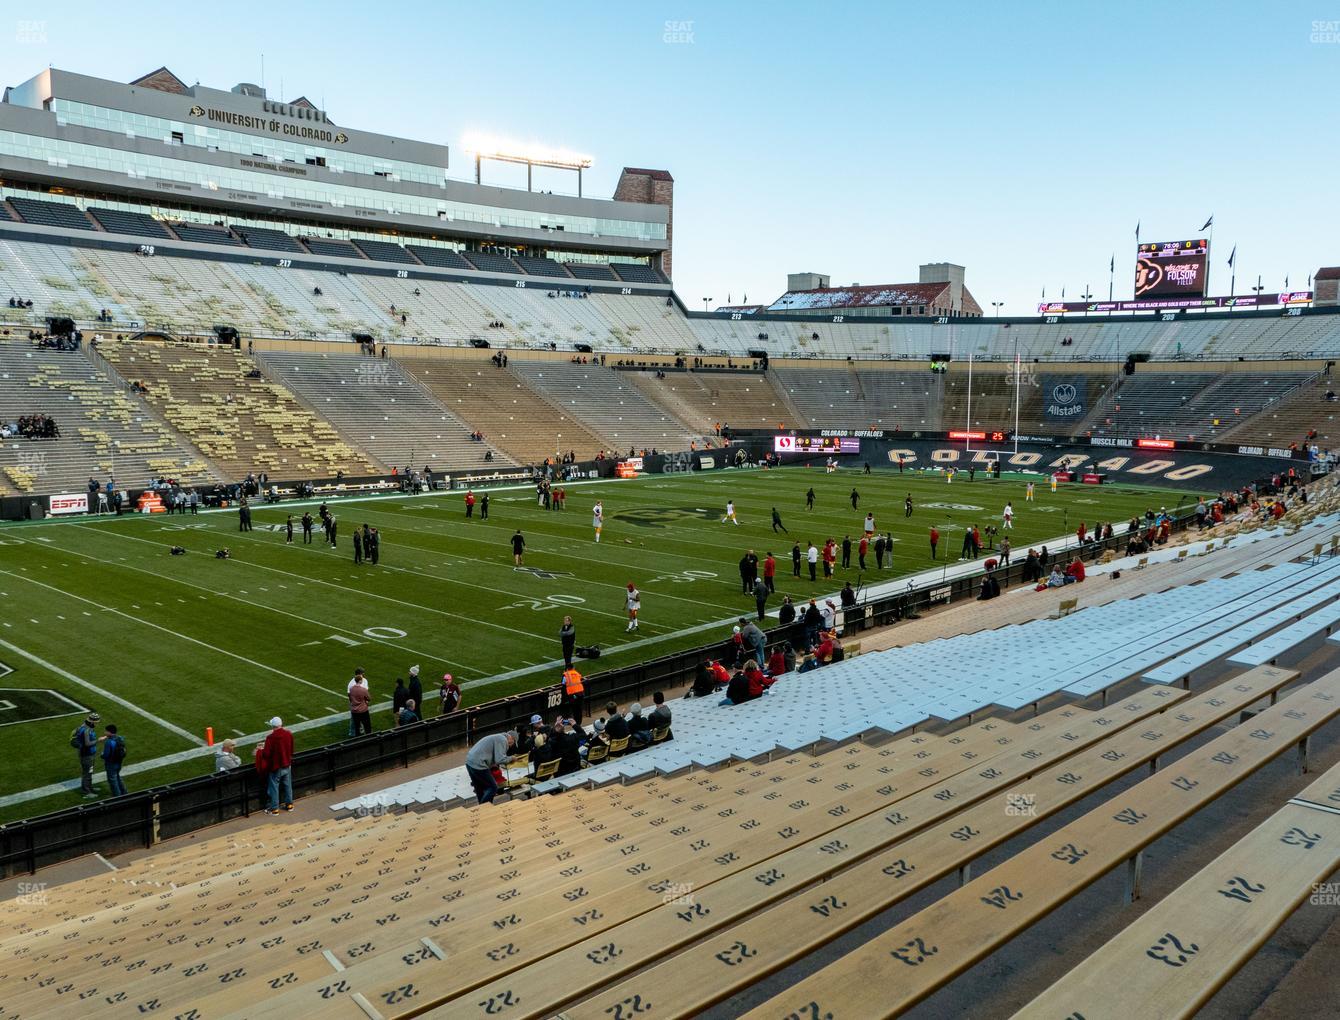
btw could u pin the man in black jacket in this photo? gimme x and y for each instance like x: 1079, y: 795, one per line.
x: 616, y: 726
x: 814, y: 619
x: 639, y: 729
x: 415, y: 687
x: 568, y: 635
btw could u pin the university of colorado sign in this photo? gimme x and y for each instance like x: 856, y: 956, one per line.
x: 1137, y: 468
x: 289, y: 126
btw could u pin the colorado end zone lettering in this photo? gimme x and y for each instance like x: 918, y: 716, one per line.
x: 1140, y: 469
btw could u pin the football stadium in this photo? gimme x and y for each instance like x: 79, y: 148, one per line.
x: 416, y: 599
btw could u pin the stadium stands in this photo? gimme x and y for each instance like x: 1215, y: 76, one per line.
x: 379, y: 406
x: 117, y: 221
x: 637, y: 272
x: 512, y: 416
x: 590, y: 271
x: 204, y: 233
x: 851, y: 397
x: 384, y: 251
x: 541, y: 267
x: 490, y: 262
x: 332, y: 247
x: 243, y: 425
x: 703, y: 399
x: 267, y: 238
x: 103, y: 430
x: 1192, y: 405
x: 608, y: 404
x: 445, y: 258
x: 50, y: 214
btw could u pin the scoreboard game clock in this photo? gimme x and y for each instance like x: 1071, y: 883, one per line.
x: 994, y: 436
x: 815, y: 444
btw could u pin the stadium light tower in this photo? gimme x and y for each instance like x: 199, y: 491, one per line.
x: 997, y: 305
x: 1086, y: 297
x: 706, y: 302
x: 529, y: 155
x: 1258, y: 288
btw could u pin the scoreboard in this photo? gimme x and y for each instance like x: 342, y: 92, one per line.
x: 815, y: 444
x: 1171, y: 269
x: 980, y: 437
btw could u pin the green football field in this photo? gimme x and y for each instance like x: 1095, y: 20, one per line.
x: 95, y: 613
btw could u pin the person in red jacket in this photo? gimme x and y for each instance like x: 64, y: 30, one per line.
x: 1081, y: 532
x: 830, y: 557
x: 1075, y: 570
x: 276, y: 757
x: 469, y: 503
x: 935, y: 539
x: 769, y: 572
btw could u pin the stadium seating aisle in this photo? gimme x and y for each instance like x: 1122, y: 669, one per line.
x: 244, y: 425
x: 702, y: 399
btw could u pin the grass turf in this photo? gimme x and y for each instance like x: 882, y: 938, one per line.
x: 98, y: 613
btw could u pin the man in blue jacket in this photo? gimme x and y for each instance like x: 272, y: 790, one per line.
x: 113, y: 754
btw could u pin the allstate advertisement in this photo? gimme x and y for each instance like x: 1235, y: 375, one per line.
x: 1064, y: 397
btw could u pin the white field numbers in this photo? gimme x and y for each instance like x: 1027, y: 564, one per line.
x: 548, y: 602
x: 376, y: 633
x: 684, y: 577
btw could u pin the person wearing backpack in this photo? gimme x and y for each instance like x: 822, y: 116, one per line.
x: 85, y: 741
x: 113, y: 754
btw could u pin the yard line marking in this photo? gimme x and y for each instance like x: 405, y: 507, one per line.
x: 168, y: 630
x: 239, y: 733
x: 100, y: 692
x: 304, y: 718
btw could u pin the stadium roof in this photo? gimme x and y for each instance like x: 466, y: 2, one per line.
x: 741, y: 309
x: 1328, y: 273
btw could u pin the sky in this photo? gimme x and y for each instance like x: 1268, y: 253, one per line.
x: 1024, y: 141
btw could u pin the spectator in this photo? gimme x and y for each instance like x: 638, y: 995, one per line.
x: 449, y: 694
x: 1076, y: 569
x: 408, y: 714
x: 616, y: 726
x: 567, y: 634
x: 85, y: 741
x: 277, y: 755
x: 990, y: 588
x: 786, y: 614
x: 813, y: 620
x: 754, y: 640
x: 415, y: 688
x: 737, y: 691
x: 493, y: 751
x: 704, y: 682
x: 639, y: 729
x: 360, y: 705
x: 225, y: 758
x: 660, y: 715
x: 399, y: 696
x: 113, y: 754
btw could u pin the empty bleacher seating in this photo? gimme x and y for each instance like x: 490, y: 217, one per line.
x: 267, y: 238
x: 380, y: 407
x: 540, y: 267
x: 50, y: 214
x: 243, y: 425
x: 590, y: 271
x: 444, y: 258
x: 637, y: 272
x: 333, y: 247
x: 383, y: 251
x: 204, y: 233
x: 104, y: 430
x: 512, y: 416
x: 118, y: 221
x: 606, y: 403
x: 491, y: 262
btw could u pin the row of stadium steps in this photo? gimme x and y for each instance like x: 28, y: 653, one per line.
x: 244, y: 425
x: 707, y: 865
x: 1190, y: 405
x: 607, y: 404
x: 1290, y: 418
x: 379, y: 406
x: 104, y: 430
x: 524, y: 424
x: 704, y: 399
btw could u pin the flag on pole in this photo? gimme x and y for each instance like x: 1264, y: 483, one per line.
x: 1137, y: 231
x: 1112, y: 265
x: 728, y: 300
x: 1062, y: 293
x: 1286, y: 283
x: 1044, y: 292
x: 1233, y: 255
x: 1208, y: 223
x: 1309, y: 281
